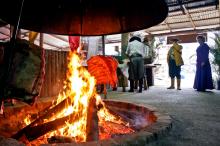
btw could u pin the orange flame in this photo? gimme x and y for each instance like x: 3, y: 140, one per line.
x: 80, y: 86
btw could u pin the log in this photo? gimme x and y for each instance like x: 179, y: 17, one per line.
x: 92, y: 124
x: 53, y: 111
x: 92, y: 128
x: 41, y: 118
x: 33, y: 133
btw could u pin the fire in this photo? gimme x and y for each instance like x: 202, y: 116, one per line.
x: 27, y: 120
x: 80, y: 88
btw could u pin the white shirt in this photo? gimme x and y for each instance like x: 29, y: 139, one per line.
x: 136, y: 47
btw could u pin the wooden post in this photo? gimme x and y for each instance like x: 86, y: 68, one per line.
x: 103, y: 45
x: 41, y: 42
x: 92, y: 129
x: 219, y: 9
x: 124, y: 44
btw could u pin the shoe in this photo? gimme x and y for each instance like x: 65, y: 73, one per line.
x: 171, y: 87
x: 178, y: 88
x: 139, y: 91
x: 130, y: 90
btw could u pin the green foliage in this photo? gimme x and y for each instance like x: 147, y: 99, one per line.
x: 215, y: 50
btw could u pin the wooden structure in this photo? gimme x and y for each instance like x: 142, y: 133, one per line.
x: 55, y: 72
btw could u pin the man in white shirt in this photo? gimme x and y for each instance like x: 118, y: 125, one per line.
x: 136, y: 51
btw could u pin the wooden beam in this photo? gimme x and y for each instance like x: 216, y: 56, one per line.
x: 52, y: 45
x: 103, y: 45
x: 189, y: 21
x: 5, y: 34
x: 147, y: 31
x: 210, y: 9
x: 185, y: 32
x: 60, y: 38
x: 41, y: 42
x: 181, y: 6
x: 3, y: 39
x: 219, y: 10
x: 167, y: 24
x: 190, y: 17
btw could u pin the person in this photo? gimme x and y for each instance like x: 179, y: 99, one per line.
x: 175, y: 61
x: 135, y: 51
x: 203, y: 76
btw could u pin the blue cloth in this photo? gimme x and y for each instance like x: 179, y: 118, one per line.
x: 174, y: 71
x: 203, y: 77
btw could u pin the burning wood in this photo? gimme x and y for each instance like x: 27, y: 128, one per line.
x: 92, y: 129
x: 48, y: 114
x: 79, y: 114
x: 37, y: 131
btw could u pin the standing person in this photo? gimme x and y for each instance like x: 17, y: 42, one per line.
x: 135, y: 52
x: 175, y: 61
x: 203, y: 77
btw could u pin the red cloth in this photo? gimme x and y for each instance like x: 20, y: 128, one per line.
x: 104, y: 69
x: 74, y: 42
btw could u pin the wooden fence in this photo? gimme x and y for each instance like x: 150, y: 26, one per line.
x: 56, y: 68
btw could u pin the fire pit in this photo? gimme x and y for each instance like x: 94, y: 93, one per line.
x: 147, y: 124
x: 79, y: 116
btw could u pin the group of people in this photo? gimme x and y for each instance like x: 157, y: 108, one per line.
x: 203, y: 76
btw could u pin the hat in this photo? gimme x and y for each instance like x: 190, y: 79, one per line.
x: 135, y: 38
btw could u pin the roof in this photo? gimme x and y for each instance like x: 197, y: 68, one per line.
x: 185, y: 16
x: 189, y: 16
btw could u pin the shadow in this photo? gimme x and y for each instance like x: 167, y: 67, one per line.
x: 208, y: 92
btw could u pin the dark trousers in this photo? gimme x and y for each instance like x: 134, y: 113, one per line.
x: 136, y: 72
x: 140, y: 81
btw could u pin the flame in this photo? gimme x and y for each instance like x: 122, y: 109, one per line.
x: 80, y: 88
x: 27, y: 120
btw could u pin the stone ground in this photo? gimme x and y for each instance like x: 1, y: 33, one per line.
x: 195, y: 115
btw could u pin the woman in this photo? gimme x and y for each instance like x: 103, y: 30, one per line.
x: 203, y: 77
x: 175, y: 61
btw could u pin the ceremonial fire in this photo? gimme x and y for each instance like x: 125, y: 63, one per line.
x: 75, y: 107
